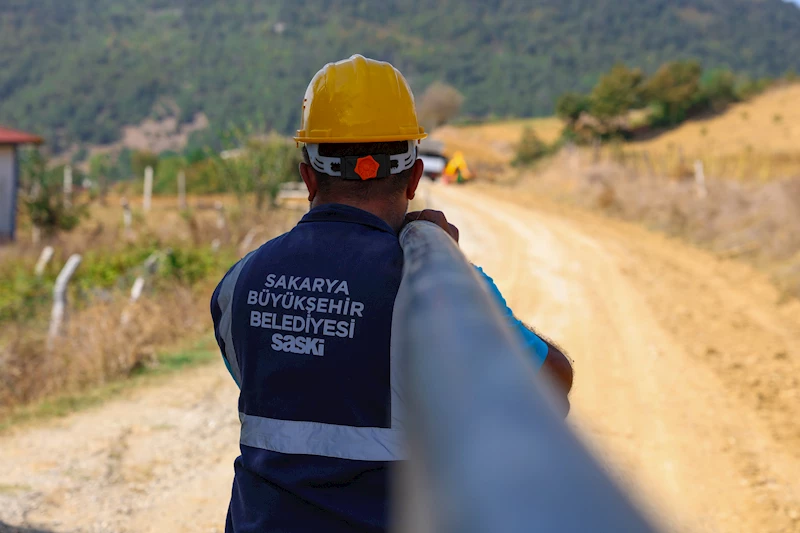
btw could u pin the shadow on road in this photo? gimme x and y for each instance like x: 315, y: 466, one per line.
x: 5, y: 528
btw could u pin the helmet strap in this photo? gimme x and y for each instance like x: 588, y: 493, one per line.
x: 362, y: 167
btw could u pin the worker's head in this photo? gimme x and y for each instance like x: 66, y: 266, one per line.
x: 360, y: 131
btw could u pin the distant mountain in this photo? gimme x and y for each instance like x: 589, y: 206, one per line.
x: 79, y: 70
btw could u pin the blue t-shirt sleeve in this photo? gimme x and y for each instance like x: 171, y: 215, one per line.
x: 536, y: 346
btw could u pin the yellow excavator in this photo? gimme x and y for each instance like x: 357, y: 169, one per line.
x: 453, y: 170
x: 457, y: 170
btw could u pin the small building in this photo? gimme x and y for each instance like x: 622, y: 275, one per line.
x: 9, y: 178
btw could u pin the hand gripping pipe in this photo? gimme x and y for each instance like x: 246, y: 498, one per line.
x: 487, y: 451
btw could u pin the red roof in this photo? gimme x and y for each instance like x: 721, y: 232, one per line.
x: 9, y: 136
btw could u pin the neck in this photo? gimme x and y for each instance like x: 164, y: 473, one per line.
x: 388, y: 213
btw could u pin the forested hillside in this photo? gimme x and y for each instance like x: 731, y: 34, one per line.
x: 78, y: 71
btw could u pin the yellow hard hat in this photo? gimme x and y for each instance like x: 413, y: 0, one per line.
x: 359, y: 100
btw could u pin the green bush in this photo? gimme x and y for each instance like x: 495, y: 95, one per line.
x: 140, y: 160
x: 530, y: 148
x: 191, y: 265
x: 166, y: 180
x: 618, y: 92
x: 43, y: 195
x: 570, y: 106
x: 103, y: 270
x: 673, y: 91
x: 259, y: 165
x: 718, y: 89
x: 22, y: 293
x: 748, y: 87
x: 677, y: 91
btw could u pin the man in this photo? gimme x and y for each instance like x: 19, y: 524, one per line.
x: 304, y: 322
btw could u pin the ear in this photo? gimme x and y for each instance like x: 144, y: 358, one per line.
x: 413, y: 182
x: 310, y: 179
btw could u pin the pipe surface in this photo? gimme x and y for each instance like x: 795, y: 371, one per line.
x: 488, y: 451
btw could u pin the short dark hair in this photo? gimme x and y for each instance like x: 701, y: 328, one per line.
x: 356, y: 189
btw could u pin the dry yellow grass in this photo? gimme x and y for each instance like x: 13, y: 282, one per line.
x: 495, y: 143
x: 758, y: 139
x: 165, y: 223
x: 97, y: 344
x: 768, y: 124
x: 755, y: 140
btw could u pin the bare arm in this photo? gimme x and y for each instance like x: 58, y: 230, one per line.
x: 558, y: 369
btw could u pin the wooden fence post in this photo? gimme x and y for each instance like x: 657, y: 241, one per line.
x: 127, y: 216
x: 181, y: 190
x: 60, y: 297
x: 633, y: 166
x: 220, y: 214
x: 573, y: 156
x: 648, y: 163
x: 67, y: 185
x: 247, y: 242
x: 700, y: 180
x: 148, y: 188
x: 149, y: 268
x: 44, y: 258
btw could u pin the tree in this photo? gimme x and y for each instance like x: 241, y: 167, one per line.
x: 718, y: 89
x: 258, y: 164
x: 140, y: 160
x: 672, y: 91
x: 272, y: 162
x: 505, y: 66
x: 570, y: 106
x: 44, y: 195
x: 617, y: 92
x: 169, y: 166
x: 747, y: 87
x: 439, y: 104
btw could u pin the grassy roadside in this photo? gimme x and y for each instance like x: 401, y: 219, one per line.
x: 183, y: 356
x: 109, y: 344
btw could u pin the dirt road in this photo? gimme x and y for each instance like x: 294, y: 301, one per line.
x: 686, y: 387
x: 685, y: 366
x: 158, y: 460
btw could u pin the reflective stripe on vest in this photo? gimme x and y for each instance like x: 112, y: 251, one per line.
x: 225, y: 301
x: 315, y: 438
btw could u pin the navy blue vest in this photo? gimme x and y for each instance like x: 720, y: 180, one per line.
x: 304, y: 324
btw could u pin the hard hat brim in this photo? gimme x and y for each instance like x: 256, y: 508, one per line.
x: 302, y: 138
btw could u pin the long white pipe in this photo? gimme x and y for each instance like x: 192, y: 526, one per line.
x: 488, y: 451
